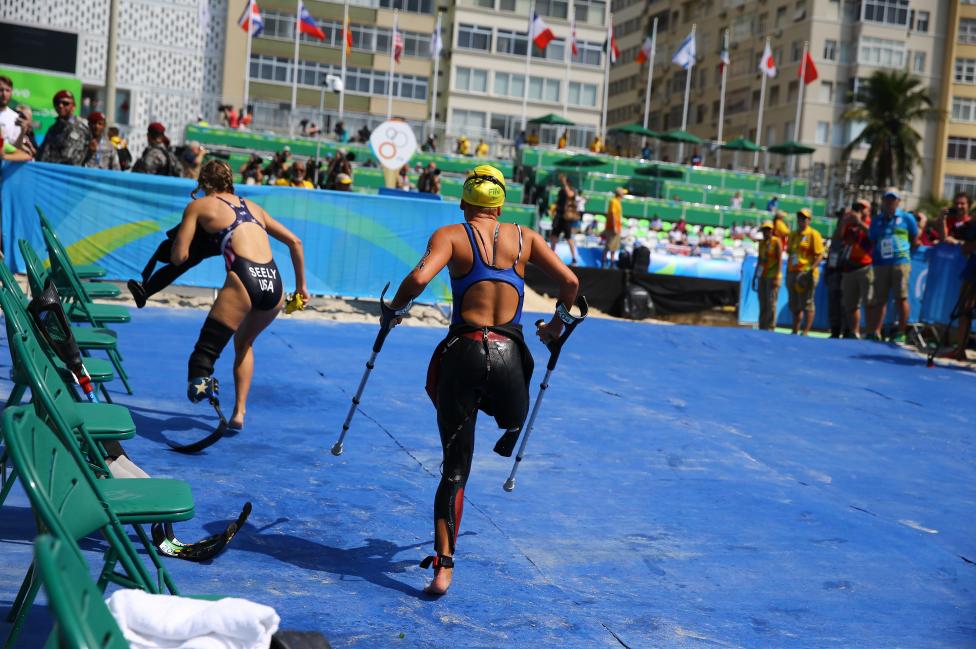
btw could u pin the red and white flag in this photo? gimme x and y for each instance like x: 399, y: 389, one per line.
x: 766, y: 64
x: 572, y: 43
x: 610, y: 45
x: 644, y: 53
x: 251, y: 12
x: 397, y: 44
x: 539, y: 32
x: 808, y: 71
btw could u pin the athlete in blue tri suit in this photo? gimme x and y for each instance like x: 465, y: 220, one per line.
x: 483, y: 363
x: 252, y: 293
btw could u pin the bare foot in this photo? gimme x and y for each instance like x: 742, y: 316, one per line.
x: 441, y: 582
x: 236, y: 421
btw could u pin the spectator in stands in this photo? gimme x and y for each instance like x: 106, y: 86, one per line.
x: 364, y: 134
x: 857, y: 274
x: 781, y: 228
x: 596, y: 144
x: 430, y: 144
x: 462, y: 146
x: 251, y: 170
x: 67, y: 140
x: 278, y: 166
x: 646, y: 153
x: 192, y: 159
x: 342, y: 135
x: 805, y: 248
x: 121, y: 147
x: 676, y: 198
x: 768, y: 276
x: 893, y: 233
x: 101, y: 152
x: 343, y: 183
x: 157, y: 158
x: 429, y: 181
x: 953, y: 219
x: 229, y: 116
x: 752, y: 205
x: 681, y: 226
x: 957, y: 228
x: 26, y: 142
x: 832, y: 278
x: 696, y: 159
x: 614, y: 228
x: 737, y: 201
x: 247, y: 117
x: 656, y: 223
x: 566, y: 217
x: 403, y: 179
x: 481, y: 151
x: 295, y: 177
x: 772, y: 204
x: 10, y: 130
x: 340, y: 164
x: 533, y: 138
x: 314, y: 130
x: 520, y: 141
x: 563, y: 140
x: 928, y: 233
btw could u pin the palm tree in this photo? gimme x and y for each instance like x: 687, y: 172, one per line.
x: 888, y: 105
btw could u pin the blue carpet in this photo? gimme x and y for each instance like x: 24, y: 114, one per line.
x: 684, y: 487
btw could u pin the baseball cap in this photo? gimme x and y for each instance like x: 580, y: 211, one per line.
x: 766, y: 224
x: 620, y: 191
x: 804, y: 212
x: 892, y: 192
x: 156, y: 128
x: 287, y: 148
x: 63, y: 94
x: 95, y: 117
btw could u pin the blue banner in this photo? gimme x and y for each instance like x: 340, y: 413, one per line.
x: 354, y: 243
x: 945, y: 265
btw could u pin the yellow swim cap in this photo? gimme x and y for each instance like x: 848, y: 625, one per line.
x: 484, y: 187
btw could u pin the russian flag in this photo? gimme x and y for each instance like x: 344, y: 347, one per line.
x: 255, y: 15
x: 307, y: 24
x: 540, y: 33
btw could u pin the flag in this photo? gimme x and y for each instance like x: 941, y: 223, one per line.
x: 255, y: 16
x: 347, y: 37
x: 307, y: 24
x: 539, y: 32
x: 766, y: 64
x: 685, y: 55
x: 436, y: 44
x: 808, y: 71
x: 610, y: 45
x: 723, y: 56
x: 644, y: 53
x: 397, y: 44
x: 572, y: 43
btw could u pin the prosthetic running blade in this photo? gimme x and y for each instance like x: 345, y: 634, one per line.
x: 209, y: 440
x: 167, y: 544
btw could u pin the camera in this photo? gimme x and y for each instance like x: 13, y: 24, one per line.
x: 953, y: 211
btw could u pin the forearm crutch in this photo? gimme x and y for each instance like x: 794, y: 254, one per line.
x: 570, y: 322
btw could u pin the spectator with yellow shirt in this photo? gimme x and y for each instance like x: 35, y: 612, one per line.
x: 614, y: 228
x: 805, y: 248
x: 768, y: 276
x: 781, y: 229
x: 481, y: 151
x: 295, y: 177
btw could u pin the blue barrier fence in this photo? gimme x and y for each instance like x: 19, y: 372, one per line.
x: 932, y: 290
x: 353, y: 243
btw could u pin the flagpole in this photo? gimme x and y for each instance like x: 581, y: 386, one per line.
x: 569, y: 55
x: 650, y: 81
x: 343, y: 45
x: 294, y: 75
x: 247, y: 54
x: 762, y: 102
x: 389, y: 89
x: 684, y: 115
x: 528, y: 64
x: 799, y: 103
x: 437, y: 60
x: 721, y: 102
x: 606, y: 80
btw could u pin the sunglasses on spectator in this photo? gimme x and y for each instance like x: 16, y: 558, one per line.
x: 65, y: 102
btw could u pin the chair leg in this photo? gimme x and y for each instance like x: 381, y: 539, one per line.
x: 16, y: 395
x: 113, y: 356
x: 108, y: 397
x: 28, y: 601
x: 8, y: 480
x: 163, y: 579
x: 21, y: 594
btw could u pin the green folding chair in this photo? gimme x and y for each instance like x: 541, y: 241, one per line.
x: 84, y: 271
x: 81, y: 618
x: 95, y: 290
x: 69, y: 503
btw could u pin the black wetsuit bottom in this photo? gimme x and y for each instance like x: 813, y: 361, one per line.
x: 201, y: 247
x: 479, y: 370
x: 261, y: 281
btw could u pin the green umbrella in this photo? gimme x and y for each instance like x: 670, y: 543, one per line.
x: 677, y: 135
x: 741, y: 144
x: 552, y: 118
x: 581, y: 160
x: 791, y: 148
x: 634, y: 129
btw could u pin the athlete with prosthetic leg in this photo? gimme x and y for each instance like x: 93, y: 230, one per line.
x: 483, y: 363
x: 252, y: 294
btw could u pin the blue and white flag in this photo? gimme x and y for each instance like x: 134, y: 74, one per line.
x: 685, y: 56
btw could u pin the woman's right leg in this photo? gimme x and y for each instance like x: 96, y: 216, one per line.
x: 254, y: 323
x: 228, y: 312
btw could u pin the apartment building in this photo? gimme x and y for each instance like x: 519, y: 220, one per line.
x: 848, y: 41
x: 955, y: 162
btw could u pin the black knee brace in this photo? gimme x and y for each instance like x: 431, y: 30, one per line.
x: 214, y: 336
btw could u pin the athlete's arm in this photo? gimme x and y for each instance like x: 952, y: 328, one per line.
x: 287, y: 237
x: 439, y: 251
x: 542, y: 256
x: 188, y: 227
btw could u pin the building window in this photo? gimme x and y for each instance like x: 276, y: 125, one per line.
x: 965, y: 71
x: 961, y: 148
x: 881, y: 52
x: 582, y: 94
x: 796, y: 51
x: 541, y: 89
x: 467, y: 120
x: 473, y: 37
x: 918, y: 62
x: 964, y: 109
x: 470, y: 79
x: 823, y: 133
x: 509, y: 85
x: 553, y: 8
x: 509, y: 42
x: 827, y: 92
x: 590, y: 11
x: 922, y: 21
x: 967, y: 30
x: 412, y: 6
x: 893, y: 12
x: 780, y: 16
x: 555, y: 51
x: 830, y: 50
x: 588, y: 53
x: 952, y: 185
x: 363, y: 81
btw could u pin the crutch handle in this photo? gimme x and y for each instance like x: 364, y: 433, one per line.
x: 387, y: 315
x: 570, y: 322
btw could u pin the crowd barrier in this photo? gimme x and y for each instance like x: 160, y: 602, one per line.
x: 933, y: 288
x: 353, y: 243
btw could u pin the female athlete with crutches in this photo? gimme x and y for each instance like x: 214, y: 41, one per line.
x: 483, y: 363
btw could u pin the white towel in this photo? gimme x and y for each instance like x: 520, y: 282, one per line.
x: 169, y: 622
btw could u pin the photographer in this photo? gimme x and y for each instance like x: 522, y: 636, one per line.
x: 101, y: 152
x: 430, y: 180
x: 953, y: 219
x: 957, y: 228
x: 340, y: 165
x: 191, y: 157
x: 278, y: 166
x: 229, y: 116
x: 295, y: 177
x: 251, y: 170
